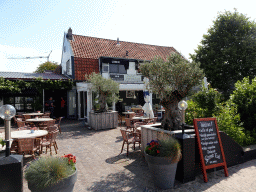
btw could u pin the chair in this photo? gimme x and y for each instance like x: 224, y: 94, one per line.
x: 50, y: 141
x: 27, y: 146
x: 22, y: 125
x: 129, y: 138
x: 128, y: 123
x: 47, y: 113
x: 53, y: 128
x: 58, y: 120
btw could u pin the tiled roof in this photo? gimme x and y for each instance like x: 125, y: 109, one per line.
x: 91, y: 47
x: 29, y: 76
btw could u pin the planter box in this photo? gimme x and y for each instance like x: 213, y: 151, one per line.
x: 105, y: 120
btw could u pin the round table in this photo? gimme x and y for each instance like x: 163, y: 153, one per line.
x: 27, y: 134
x: 127, y: 114
x: 37, y: 120
x: 33, y: 114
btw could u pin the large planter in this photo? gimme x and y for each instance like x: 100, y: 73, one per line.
x: 65, y: 185
x: 105, y: 120
x: 163, y: 171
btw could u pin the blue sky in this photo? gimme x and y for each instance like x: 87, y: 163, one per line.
x: 35, y: 27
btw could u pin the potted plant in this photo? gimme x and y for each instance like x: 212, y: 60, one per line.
x: 56, y: 174
x: 162, y: 157
x: 106, y: 92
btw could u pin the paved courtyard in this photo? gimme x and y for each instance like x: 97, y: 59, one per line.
x: 101, y: 168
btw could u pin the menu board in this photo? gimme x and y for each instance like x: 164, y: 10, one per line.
x: 209, y: 144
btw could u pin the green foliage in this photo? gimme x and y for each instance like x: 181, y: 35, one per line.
x: 47, y: 171
x: 46, y: 66
x: 175, y: 74
x: 229, y: 122
x: 244, y: 97
x: 37, y: 83
x: 228, y: 51
x: 207, y: 100
x: 193, y: 111
x: 172, y: 80
x: 107, y: 89
x: 2, y: 142
x: 166, y: 147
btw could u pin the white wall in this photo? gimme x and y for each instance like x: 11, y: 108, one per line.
x: 67, y: 54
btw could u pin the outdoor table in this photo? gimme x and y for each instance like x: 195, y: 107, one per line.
x: 128, y: 114
x: 39, y: 120
x: 33, y: 114
x: 145, y: 119
x: 27, y: 134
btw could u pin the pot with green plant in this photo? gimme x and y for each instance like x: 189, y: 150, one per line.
x: 52, y: 174
x: 162, y: 157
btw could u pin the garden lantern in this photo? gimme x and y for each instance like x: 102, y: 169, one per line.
x: 182, y: 105
x: 7, y: 112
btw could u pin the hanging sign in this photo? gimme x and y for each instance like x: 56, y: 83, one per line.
x: 209, y: 144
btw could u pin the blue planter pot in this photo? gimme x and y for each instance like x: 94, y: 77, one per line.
x: 65, y: 185
x: 163, y: 171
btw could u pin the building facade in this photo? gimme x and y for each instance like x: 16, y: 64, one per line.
x: 118, y: 60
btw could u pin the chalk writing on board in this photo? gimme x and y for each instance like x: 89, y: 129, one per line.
x: 209, y: 142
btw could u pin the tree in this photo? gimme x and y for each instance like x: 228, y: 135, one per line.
x: 228, y: 51
x: 46, y: 66
x: 107, y: 89
x: 171, y: 80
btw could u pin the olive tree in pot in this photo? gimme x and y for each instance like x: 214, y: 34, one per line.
x: 171, y: 79
x: 162, y: 157
x: 107, y: 89
x: 52, y: 174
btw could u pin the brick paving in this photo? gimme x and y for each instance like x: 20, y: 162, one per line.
x: 101, y: 168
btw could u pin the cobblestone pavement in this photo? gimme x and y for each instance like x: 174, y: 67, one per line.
x: 101, y: 168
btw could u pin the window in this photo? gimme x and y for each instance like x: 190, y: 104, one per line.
x: 114, y: 68
x: 68, y: 67
x: 105, y: 68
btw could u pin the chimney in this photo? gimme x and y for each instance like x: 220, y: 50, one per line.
x: 69, y: 35
x: 117, y: 41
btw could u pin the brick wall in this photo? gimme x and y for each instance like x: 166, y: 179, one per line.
x: 84, y: 67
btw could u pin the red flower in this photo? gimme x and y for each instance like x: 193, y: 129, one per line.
x: 158, y: 151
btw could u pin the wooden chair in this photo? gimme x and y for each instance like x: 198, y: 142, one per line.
x: 27, y: 146
x: 58, y: 120
x: 129, y: 138
x: 53, y: 128
x: 50, y: 141
x: 120, y: 121
x: 22, y: 125
x: 128, y: 123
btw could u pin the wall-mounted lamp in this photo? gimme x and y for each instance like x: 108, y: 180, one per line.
x: 7, y: 112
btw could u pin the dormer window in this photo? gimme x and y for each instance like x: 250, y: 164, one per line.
x: 115, y: 68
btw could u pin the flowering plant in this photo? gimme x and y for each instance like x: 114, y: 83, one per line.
x: 71, y: 160
x: 168, y: 147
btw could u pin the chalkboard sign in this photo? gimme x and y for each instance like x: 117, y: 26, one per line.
x: 210, y: 146
x: 209, y: 142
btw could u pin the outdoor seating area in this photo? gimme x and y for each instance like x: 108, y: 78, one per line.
x: 34, y: 134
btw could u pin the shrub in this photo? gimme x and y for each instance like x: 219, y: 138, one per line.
x: 229, y: 122
x: 208, y: 100
x: 244, y: 96
x: 47, y: 171
x: 193, y: 111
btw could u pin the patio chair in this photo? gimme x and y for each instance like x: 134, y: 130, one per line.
x: 27, y: 146
x: 53, y: 128
x: 22, y: 125
x: 58, y: 120
x: 47, y: 113
x: 128, y: 123
x: 49, y: 141
x: 129, y: 138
